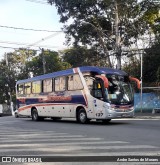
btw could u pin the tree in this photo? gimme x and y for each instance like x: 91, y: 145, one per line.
x: 19, y: 64
x: 12, y: 68
x: 151, y: 63
x: 20, y: 58
x: 107, y: 24
x: 81, y: 56
x: 52, y: 63
x: 7, y: 81
x: 133, y: 67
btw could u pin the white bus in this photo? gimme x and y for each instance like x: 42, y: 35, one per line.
x: 83, y: 93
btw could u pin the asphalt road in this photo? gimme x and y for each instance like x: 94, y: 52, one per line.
x: 129, y: 137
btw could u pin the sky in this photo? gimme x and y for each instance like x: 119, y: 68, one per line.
x: 29, y: 14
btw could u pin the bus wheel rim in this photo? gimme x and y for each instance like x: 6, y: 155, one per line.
x: 35, y: 115
x: 82, y: 117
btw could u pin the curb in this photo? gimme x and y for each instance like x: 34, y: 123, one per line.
x: 147, y: 115
x: 3, y: 115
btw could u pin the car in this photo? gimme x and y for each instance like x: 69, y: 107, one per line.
x: 16, y: 115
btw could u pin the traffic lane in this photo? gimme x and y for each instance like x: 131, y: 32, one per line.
x: 135, y: 131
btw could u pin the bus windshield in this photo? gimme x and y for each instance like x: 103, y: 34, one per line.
x: 120, y: 91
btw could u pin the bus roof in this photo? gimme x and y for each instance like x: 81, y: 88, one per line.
x: 98, y: 70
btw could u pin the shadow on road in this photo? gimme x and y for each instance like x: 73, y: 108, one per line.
x: 73, y: 121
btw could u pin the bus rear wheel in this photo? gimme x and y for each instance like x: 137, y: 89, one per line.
x: 35, y: 116
x: 82, y: 116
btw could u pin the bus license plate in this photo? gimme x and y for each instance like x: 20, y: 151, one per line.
x: 125, y: 115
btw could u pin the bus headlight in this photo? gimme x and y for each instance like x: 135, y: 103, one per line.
x: 108, y: 106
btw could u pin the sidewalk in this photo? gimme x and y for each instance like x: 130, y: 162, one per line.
x: 5, y: 114
x: 145, y: 115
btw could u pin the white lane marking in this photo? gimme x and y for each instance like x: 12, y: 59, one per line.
x: 139, y: 153
x: 65, y: 139
x: 40, y: 136
x: 61, y: 144
x: 77, y: 148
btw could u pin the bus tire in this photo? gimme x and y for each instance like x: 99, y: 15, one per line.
x: 105, y: 121
x: 82, y: 116
x: 35, y: 116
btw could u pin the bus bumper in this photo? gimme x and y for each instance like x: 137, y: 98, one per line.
x: 113, y: 114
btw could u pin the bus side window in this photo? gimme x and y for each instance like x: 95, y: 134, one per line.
x: 60, y: 83
x: 89, y: 81
x: 36, y: 87
x: 47, y: 85
x: 20, y: 89
x: 27, y: 88
x: 70, y: 82
x: 74, y: 82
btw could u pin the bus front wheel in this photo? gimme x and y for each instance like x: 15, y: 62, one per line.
x: 35, y: 116
x: 82, y: 116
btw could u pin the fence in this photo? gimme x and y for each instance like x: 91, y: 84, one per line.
x: 150, y: 100
x: 6, y: 109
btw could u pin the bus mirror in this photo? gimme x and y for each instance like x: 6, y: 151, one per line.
x: 104, y: 79
x: 135, y: 80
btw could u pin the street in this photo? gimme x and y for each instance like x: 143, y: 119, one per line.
x: 129, y: 137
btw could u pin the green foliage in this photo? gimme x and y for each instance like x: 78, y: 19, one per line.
x: 151, y: 63
x: 12, y: 68
x: 158, y: 74
x: 133, y: 67
x: 81, y: 56
x: 93, y: 23
x: 52, y: 63
x: 7, y: 81
x: 17, y: 65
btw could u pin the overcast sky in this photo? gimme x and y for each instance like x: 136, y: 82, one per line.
x: 29, y: 15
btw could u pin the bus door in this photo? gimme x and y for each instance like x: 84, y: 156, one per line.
x: 99, y: 95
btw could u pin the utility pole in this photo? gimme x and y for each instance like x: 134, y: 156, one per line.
x: 141, y: 82
x: 42, y: 50
x: 6, y: 58
x: 117, y: 35
x: 43, y: 61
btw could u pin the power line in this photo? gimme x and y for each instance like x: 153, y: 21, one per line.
x: 20, y: 28
x: 8, y: 47
x: 28, y: 44
x: 40, y: 2
x: 16, y: 48
x: 43, y: 39
x: 25, y: 45
x: 15, y: 43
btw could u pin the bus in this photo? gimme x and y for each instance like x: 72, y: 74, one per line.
x: 84, y: 93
